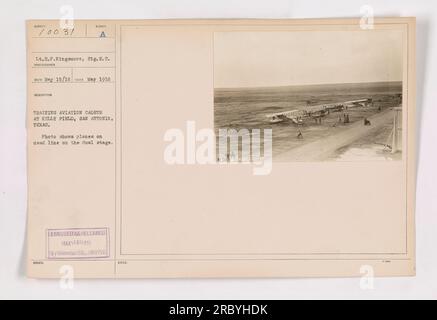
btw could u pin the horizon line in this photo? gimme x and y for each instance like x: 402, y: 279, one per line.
x: 304, y: 85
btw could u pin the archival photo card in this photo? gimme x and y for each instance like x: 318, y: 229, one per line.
x: 221, y: 148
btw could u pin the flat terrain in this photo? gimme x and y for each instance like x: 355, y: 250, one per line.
x: 324, y: 148
x: 248, y: 108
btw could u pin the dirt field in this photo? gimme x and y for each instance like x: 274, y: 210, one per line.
x: 335, y: 145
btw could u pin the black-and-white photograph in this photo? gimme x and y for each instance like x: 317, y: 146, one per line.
x: 326, y: 95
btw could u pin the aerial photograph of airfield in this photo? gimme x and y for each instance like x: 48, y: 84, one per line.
x: 327, y: 96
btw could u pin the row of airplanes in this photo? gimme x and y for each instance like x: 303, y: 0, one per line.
x: 298, y: 116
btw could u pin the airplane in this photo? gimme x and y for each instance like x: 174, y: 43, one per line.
x: 297, y: 116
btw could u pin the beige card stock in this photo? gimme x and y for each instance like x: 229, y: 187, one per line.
x: 221, y: 148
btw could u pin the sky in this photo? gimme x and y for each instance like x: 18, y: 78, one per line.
x: 264, y: 59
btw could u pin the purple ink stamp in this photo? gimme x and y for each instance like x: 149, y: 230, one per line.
x: 78, y: 243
